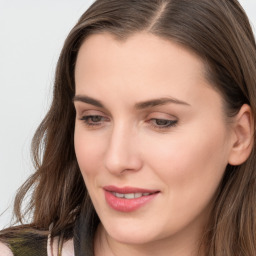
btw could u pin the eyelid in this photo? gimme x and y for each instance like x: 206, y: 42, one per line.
x: 161, y: 115
x: 90, y: 122
x: 82, y: 107
x: 89, y: 112
x: 155, y: 119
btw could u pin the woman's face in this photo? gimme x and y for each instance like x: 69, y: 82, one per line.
x: 151, y: 137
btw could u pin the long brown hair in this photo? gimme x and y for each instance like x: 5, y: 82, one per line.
x: 218, y: 31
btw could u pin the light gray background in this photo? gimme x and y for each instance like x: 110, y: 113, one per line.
x: 31, y: 36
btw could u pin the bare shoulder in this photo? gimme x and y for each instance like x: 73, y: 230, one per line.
x: 67, y: 248
x: 5, y: 250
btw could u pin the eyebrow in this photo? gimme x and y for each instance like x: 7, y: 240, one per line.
x: 88, y: 100
x: 159, y: 102
x: 139, y: 105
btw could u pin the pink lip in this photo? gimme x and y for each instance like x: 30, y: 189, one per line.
x: 127, y: 205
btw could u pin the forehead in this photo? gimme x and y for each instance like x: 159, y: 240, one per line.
x: 141, y: 64
x: 141, y: 48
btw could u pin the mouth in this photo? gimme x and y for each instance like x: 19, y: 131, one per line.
x: 128, y: 199
x: 130, y: 195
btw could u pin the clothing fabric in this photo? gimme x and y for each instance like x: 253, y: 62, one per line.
x: 26, y: 243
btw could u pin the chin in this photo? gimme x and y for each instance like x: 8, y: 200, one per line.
x: 131, y: 233
x: 128, y: 237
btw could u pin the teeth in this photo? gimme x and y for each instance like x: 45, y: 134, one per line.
x: 137, y: 195
x: 119, y: 195
x: 130, y: 195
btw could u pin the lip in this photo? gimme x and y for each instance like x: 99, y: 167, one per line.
x: 127, y: 205
x: 126, y: 190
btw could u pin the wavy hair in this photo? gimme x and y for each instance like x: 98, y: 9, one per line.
x: 218, y: 31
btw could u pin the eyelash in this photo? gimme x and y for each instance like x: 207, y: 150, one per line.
x: 170, y: 123
x: 88, y: 119
x: 154, y: 122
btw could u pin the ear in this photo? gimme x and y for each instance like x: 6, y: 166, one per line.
x: 243, y: 139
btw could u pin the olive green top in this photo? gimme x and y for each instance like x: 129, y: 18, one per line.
x: 25, y: 243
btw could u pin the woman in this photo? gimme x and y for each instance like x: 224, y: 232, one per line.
x: 148, y: 147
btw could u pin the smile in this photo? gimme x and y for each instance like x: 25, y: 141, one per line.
x: 130, y: 195
x: 128, y: 199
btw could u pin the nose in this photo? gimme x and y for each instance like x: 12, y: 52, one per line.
x: 122, y: 153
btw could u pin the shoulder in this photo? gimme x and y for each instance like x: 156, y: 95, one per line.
x: 66, y: 250
x: 5, y: 250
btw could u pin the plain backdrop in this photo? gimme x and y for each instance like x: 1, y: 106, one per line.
x: 31, y: 37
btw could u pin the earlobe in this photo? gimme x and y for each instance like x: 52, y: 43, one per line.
x: 243, y: 129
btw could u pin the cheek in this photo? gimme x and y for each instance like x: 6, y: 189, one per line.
x: 191, y: 166
x: 88, y: 151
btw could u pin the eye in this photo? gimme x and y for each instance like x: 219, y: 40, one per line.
x: 94, y: 120
x: 162, y: 123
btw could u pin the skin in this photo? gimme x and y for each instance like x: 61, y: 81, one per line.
x: 126, y: 146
